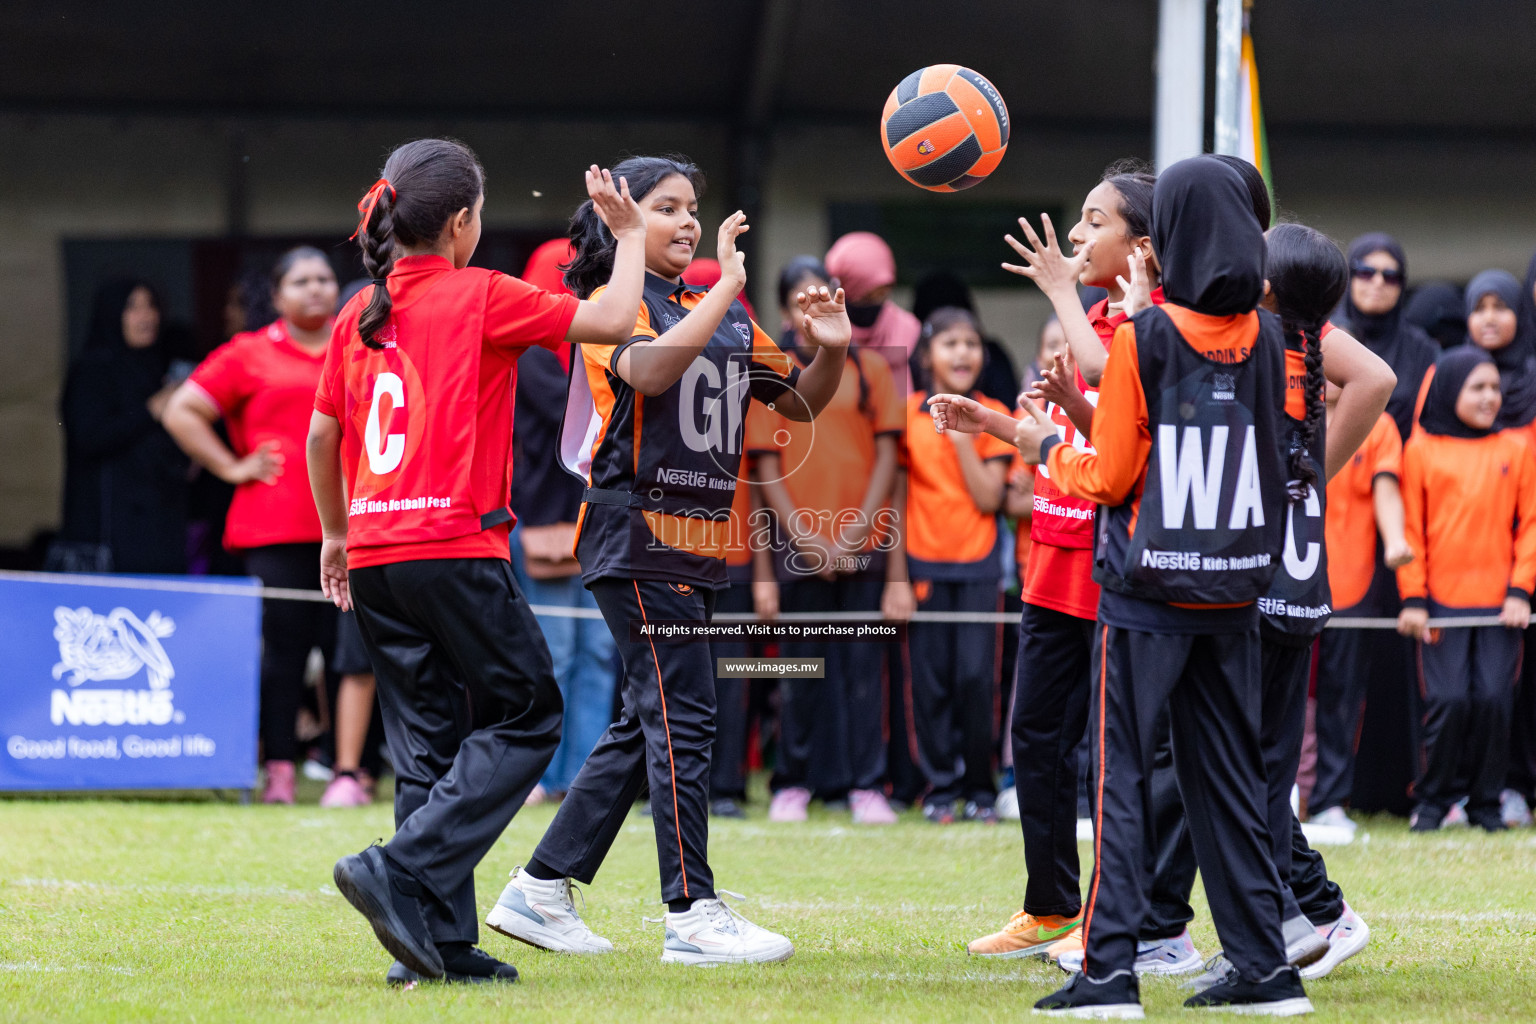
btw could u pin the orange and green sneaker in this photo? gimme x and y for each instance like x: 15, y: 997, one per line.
x: 1026, y: 935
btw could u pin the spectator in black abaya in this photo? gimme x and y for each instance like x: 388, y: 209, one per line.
x: 1375, y: 663
x: 125, y: 481
x: 1435, y: 308
x: 1373, y: 313
x: 940, y: 288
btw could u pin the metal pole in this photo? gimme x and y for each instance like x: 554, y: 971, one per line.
x: 1229, y: 58
x: 1180, y: 121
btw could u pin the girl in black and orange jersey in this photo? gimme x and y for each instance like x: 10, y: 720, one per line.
x: 409, y: 459
x: 1463, y: 487
x: 1182, y: 557
x: 654, y: 424
x: 955, y: 489
x: 829, y: 485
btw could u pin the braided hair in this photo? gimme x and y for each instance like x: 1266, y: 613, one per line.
x: 1307, y: 276
x: 424, y: 184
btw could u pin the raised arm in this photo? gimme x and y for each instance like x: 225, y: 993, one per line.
x: 609, y: 319
x: 1048, y: 265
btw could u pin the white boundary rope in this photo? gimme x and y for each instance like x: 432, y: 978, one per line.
x: 562, y: 612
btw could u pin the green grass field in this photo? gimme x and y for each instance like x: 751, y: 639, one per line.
x: 155, y: 911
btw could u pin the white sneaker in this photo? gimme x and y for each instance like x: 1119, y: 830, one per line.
x: 541, y: 914
x: 1456, y: 817
x: 1007, y: 806
x: 1513, y: 809
x: 1333, y: 817
x: 1177, y: 955
x: 710, y: 932
x: 1346, y: 937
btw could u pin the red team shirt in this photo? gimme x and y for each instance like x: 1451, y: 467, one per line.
x: 1059, y: 573
x: 263, y: 385
x: 513, y: 316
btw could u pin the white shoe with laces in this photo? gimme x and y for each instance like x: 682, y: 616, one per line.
x: 710, y: 932
x: 541, y: 914
x: 1346, y: 937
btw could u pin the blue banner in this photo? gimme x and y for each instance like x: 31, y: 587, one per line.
x: 128, y: 682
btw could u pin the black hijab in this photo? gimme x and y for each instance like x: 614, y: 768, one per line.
x: 141, y: 369
x: 1207, y: 239
x: 1435, y: 308
x: 1406, y: 348
x: 1517, y: 360
x: 1451, y: 372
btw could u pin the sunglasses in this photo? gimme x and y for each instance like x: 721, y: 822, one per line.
x: 1363, y: 272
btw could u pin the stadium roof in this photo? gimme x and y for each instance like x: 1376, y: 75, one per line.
x: 1325, y: 65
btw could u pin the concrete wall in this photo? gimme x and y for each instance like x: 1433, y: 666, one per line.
x: 1459, y: 204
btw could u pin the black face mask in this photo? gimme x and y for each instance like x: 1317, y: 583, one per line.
x: 864, y: 316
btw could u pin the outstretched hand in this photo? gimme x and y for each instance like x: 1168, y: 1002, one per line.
x: 824, y: 317
x: 733, y: 262
x: 1058, y: 382
x: 958, y: 413
x: 613, y: 204
x: 1032, y: 431
x: 1046, y: 263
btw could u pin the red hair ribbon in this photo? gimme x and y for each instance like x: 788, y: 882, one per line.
x: 366, y: 204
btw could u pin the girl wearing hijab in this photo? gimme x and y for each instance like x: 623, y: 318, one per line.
x: 1182, y: 558
x: 863, y: 264
x: 1359, y: 685
x: 125, y: 483
x: 1470, y: 497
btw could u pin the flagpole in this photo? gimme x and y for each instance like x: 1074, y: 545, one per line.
x: 1180, y: 122
x: 1229, y: 60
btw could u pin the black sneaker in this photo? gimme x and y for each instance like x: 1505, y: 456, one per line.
x: 939, y: 814
x: 1118, y: 997
x: 374, y: 889
x: 1425, y: 819
x: 464, y: 963
x: 1488, y: 819
x: 1279, y: 995
x: 725, y: 807
x: 482, y: 968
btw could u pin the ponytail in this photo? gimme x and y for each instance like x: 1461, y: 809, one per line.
x: 1307, y: 276
x: 592, y: 244
x: 423, y: 186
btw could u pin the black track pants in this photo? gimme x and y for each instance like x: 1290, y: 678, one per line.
x: 1467, y: 681
x: 1050, y: 714
x: 289, y: 630
x: 471, y: 711
x: 832, y: 731
x: 665, y: 733
x: 954, y: 693
x: 1210, y: 686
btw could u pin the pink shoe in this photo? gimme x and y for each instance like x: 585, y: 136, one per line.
x: 345, y: 791
x: 789, y: 804
x: 280, y: 777
x: 537, y: 795
x: 870, y: 807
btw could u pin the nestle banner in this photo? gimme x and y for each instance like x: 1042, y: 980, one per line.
x: 128, y: 682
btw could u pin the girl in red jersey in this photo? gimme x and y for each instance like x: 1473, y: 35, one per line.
x: 409, y: 460
x: 262, y: 384
x: 1051, y: 680
x: 955, y: 488
x: 654, y: 423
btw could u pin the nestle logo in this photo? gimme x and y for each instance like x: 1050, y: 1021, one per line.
x: 1170, y: 559
x: 1223, y: 386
